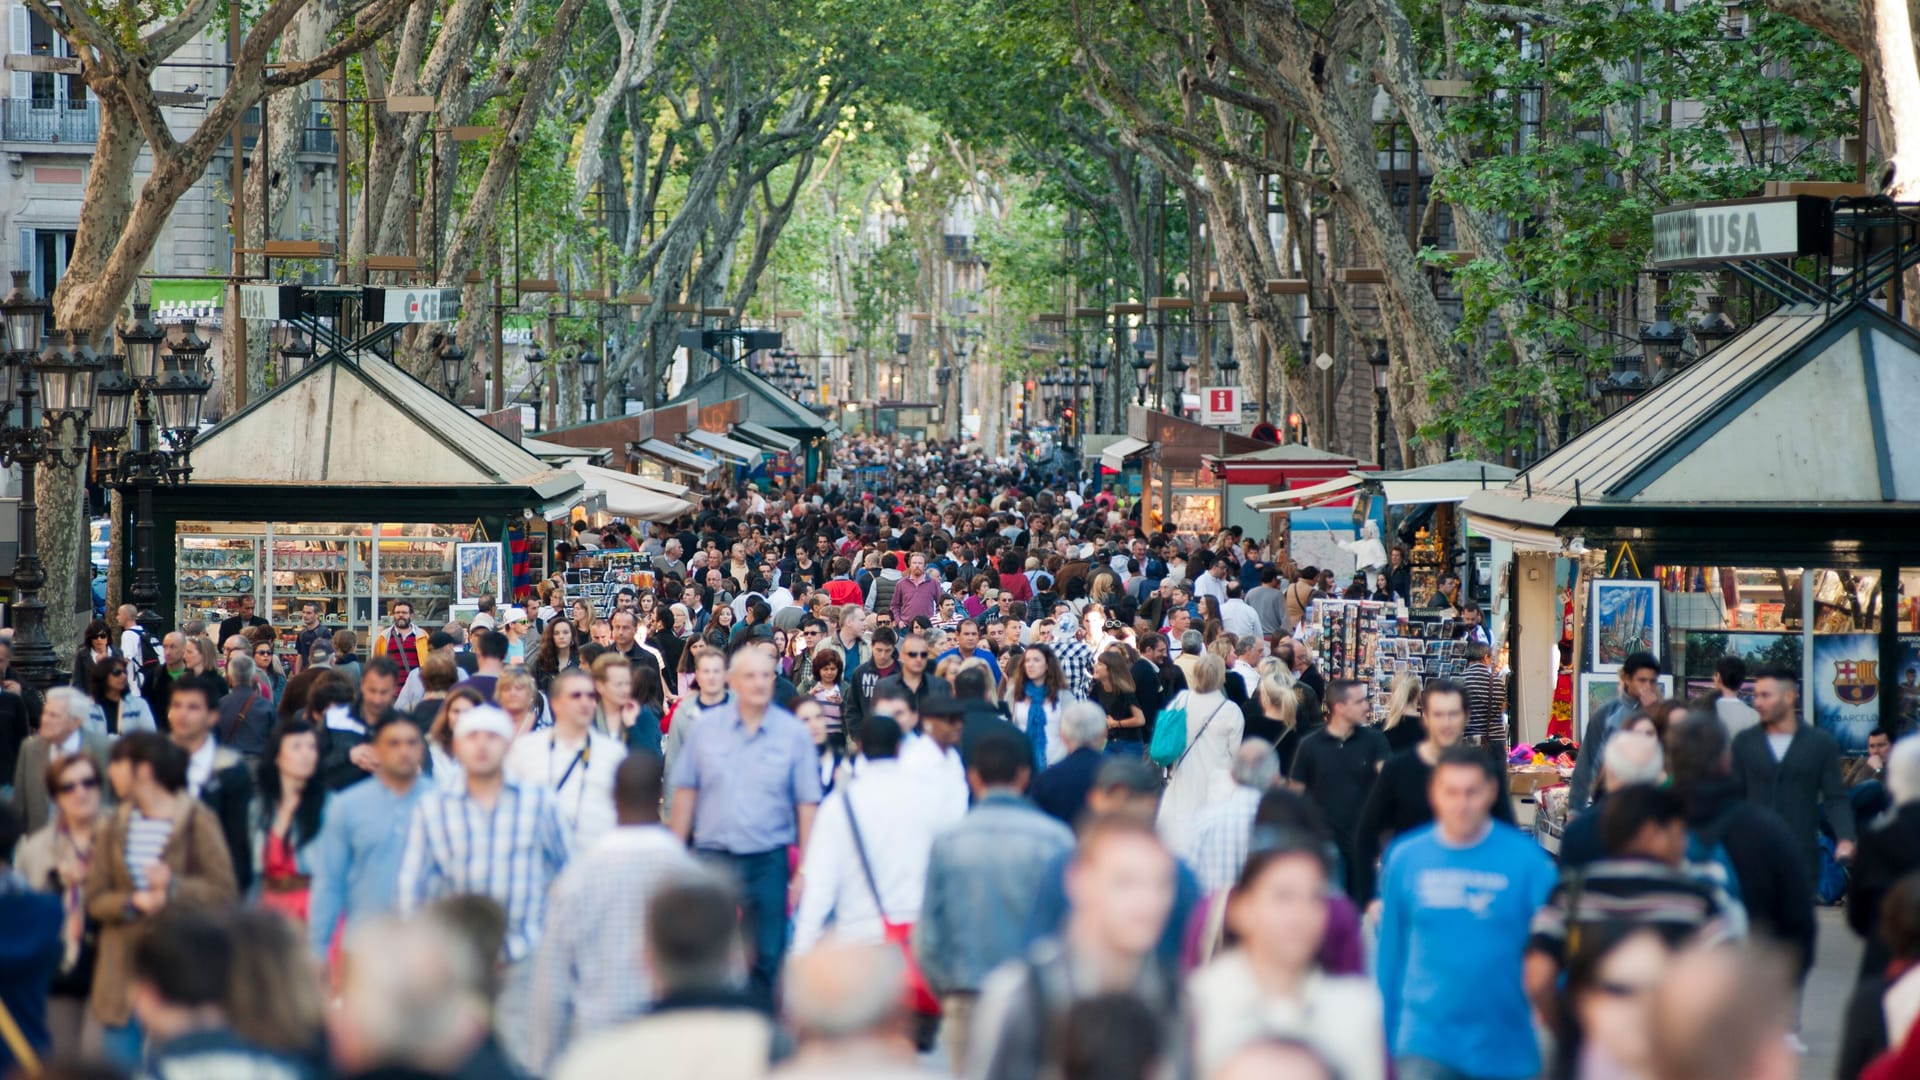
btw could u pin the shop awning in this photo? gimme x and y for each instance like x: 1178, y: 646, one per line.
x: 1280, y: 502
x: 626, y: 496
x: 1115, y: 455
x: 664, y: 487
x: 704, y: 470
x: 1447, y: 482
x: 767, y: 437
x: 739, y: 452
x: 564, y: 455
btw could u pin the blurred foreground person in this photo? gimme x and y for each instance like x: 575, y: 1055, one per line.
x: 182, y: 977
x: 702, y: 1025
x: 1275, y: 1059
x: 845, y: 1004
x: 1120, y: 887
x: 1724, y: 1014
x: 411, y: 1002
x: 1886, y: 1002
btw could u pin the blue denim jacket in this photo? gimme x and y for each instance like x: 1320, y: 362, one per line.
x: 982, y: 878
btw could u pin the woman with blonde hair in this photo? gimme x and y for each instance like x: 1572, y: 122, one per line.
x: 1277, y: 718
x: 1203, y: 774
x: 202, y: 661
x: 1404, y: 728
x: 518, y: 694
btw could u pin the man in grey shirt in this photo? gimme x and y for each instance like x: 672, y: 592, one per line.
x: 1269, y: 601
x: 1729, y: 675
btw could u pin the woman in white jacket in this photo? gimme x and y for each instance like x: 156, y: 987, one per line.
x: 1203, y: 775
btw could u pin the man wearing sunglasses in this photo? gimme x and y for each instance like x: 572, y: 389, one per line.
x: 913, y: 676
x: 62, y: 733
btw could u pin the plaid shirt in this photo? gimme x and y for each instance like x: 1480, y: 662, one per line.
x: 511, y: 853
x: 1076, y: 663
x: 1221, y: 835
x: 587, y: 974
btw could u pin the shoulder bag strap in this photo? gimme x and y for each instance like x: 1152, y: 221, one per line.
x: 16, y: 1041
x: 1195, y: 741
x: 860, y: 847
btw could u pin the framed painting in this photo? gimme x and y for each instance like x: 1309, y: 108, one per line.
x: 1595, y: 691
x: 478, y: 573
x: 1625, y: 619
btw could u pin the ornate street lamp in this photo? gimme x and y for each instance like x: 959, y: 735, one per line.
x: 453, y: 367
x: 140, y: 386
x: 295, y: 355
x: 1627, y: 381
x: 1662, y: 339
x: 1142, y: 364
x: 23, y: 442
x: 1714, y: 328
x: 589, y: 377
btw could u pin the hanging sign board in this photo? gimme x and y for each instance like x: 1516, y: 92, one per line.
x: 1717, y: 232
x: 269, y: 303
x: 412, y: 305
x: 1220, y: 406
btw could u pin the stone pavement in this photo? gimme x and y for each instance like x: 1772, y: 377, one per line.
x: 1823, y: 1009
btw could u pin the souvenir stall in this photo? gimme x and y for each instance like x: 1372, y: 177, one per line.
x: 766, y: 406
x: 350, y: 486
x: 1300, y: 498
x: 1715, y: 516
x: 1177, y: 478
x: 1373, y: 641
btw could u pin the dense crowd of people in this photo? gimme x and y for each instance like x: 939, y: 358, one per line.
x: 962, y: 769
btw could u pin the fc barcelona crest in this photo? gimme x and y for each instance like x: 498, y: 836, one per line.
x: 1856, y: 682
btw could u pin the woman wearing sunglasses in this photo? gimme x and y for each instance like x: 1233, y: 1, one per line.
x: 116, y: 707
x: 55, y: 860
x: 96, y: 648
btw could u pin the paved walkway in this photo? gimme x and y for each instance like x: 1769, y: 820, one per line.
x: 1823, y: 1009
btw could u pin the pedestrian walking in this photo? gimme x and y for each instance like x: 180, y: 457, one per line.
x: 1456, y: 903
x: 1202, y: 774
x: 590, y: 973
x: 571, y: 760
x: 1337, y: 766
x: 355, y: 860
x: 1793, y: 769
x: 496, y: 837
x: 746, y: 786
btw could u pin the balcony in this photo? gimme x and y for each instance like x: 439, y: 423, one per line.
x: 49, y: 120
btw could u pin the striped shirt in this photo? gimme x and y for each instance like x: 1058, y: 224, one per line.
x: 511, y: 853
x: 146, y: 838
x: 587, y: 974
x: 1486, y: 696
x: 1640, y: 893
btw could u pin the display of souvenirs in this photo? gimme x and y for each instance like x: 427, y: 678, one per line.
x: 600, y: 580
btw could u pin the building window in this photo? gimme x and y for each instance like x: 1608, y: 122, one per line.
x: 50, y: 90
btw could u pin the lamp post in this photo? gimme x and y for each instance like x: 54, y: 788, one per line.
x: 1142, y: 365
x: 1097, y: 365
x: 453, y: 364
x: 1662, y: 340
x: 589, y: 363
x: 294, y: 355
x: 142, y: 387
x: 1378, y: 360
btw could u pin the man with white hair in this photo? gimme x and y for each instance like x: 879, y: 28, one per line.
x: 844, y: 1004
x: 411, y: 1001
x: 1061, y: 790
x: 493, y: 836
x: 63, y: 731
x: 1628, y: 758
x: 1217, y: 848
x: 746, y: 784
x: 1889, y: 850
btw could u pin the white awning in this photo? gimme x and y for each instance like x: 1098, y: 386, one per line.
x: 627, y: 496
x: 1115, y: 455
x: 743, y: 453
x: 664, y: 487
x: 1280, y: 502
x: 1415, y: 492
x: 703, y: 469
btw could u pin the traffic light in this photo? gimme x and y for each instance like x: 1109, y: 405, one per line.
x: 1066, y: 414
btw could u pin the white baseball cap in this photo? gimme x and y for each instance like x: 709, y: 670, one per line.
x: 487, y: 718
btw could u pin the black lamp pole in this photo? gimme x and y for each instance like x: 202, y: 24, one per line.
x: 33, y: 656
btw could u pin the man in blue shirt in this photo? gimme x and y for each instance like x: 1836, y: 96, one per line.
x: 746, y: 785
x: 967, y: 637
x: 356, y: 857
x: 1457, y: 898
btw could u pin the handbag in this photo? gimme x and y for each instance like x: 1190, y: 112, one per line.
x: 919, y: 995
x: 1169, y: 732
x: 1196, y: 738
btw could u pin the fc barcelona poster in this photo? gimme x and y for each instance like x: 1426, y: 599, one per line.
x: 1846, y: 687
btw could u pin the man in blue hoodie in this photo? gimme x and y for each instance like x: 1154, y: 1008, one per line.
x: 1457, y: 899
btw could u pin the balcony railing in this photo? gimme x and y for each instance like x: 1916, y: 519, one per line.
x: 49, y: 120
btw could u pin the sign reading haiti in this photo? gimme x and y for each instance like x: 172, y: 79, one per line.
x: 1742, y: 229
